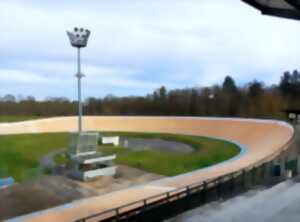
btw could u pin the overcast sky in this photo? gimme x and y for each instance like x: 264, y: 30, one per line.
x: 138, y: 45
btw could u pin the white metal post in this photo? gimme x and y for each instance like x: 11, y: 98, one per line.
x: 79, y: 75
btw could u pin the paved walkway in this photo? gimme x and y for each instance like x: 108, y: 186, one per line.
x: 277, y: 204
x: 155, y: 144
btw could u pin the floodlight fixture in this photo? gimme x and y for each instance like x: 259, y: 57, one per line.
x: 79, y: 39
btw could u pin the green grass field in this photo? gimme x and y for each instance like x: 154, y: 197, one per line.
x: 19, y: 154
x: 206, y: 152
x: 9, y: 119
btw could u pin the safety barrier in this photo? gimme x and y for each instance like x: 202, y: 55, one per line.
x: 172, y: 203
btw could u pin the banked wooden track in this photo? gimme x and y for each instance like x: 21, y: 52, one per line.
x: 262, y: 140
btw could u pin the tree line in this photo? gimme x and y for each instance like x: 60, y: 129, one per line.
x: 251, y: 100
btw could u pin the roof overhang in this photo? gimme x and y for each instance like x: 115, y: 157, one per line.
x: 280, y: 8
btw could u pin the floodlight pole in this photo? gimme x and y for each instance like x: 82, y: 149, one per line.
x: 79, y: 38
x: 79, y: 75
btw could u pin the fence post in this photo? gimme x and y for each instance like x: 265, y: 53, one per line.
x: 168, y: 197
x: 262, y: 173
x: 232, y: 180
x: 204, y: 192
x: 267, y: 175
x: 253, y: 174
x: 244, y: 180
x: 188, y: 191
x: 219, y: 188
x: 298, y: 163
x: 282, y: 167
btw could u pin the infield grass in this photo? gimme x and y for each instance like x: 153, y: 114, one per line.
x: 20, y: 154
x: 207, y: 152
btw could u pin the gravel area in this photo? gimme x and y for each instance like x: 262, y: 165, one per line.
x: 43, y: 193
x: 155, y: 144
x: 50, y: 191
x: 125, y: 177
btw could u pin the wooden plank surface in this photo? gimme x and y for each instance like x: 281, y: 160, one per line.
x: 262, y: 139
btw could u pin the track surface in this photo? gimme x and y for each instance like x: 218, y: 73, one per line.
x: 262, y: 139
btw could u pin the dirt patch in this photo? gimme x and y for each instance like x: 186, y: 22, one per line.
x: 125, y: 177
x: 45, y: 192
x: 50, y: 191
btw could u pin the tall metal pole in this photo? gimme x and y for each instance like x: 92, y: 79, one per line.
x: 79, y: 75
x: 79, y: 38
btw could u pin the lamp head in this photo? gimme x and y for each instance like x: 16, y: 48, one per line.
x: 79, y: 37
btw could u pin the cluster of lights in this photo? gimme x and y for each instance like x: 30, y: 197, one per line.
x: 79, y: 37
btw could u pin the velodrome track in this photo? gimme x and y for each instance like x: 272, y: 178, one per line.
x: 260, y: 139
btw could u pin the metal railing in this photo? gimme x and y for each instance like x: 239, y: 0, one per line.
x: 193, y: 195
